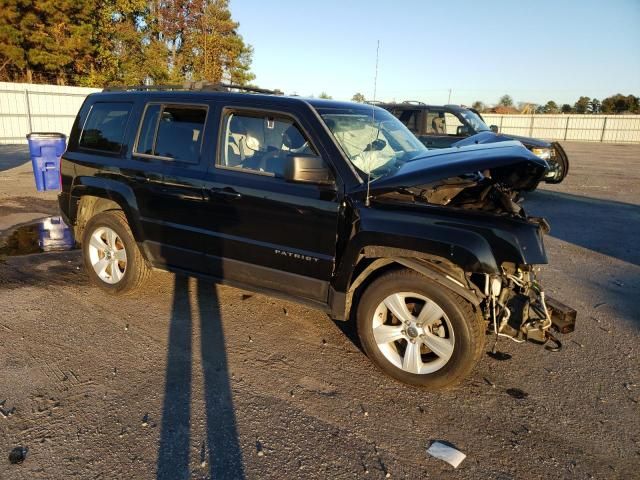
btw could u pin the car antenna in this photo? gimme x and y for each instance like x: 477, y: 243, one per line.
x: 373, y: 119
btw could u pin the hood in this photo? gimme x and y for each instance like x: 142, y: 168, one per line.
x: 484, y: 138
x: 507, y: 163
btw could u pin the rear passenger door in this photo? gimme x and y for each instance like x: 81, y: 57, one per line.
x: 102, y: 160
x: 262, y: 230
x: 171, y: 135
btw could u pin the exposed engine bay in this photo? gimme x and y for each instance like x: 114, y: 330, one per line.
x: 516, y: 308
x: 476, y: 191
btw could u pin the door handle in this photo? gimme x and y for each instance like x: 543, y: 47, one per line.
x: 226, y: 192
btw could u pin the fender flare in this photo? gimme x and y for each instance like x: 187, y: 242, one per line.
x: 341, y: 309
x: 112, y: 190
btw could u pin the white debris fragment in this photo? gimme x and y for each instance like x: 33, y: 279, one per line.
x: 445, y: 452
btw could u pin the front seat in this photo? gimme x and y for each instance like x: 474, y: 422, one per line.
x: 438, y: 126
x: 236, y: 148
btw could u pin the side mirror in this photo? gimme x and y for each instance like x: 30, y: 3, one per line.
x: 462, y: 131
x: 307, y: 169
x: 494, y: 128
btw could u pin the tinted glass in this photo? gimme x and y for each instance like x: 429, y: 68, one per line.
x: 452, y: 123
x: 180, y: 133
x: 148, y: 130
x: 435, y: 123
x: 261, y: 143
x: 410, y: 119
x: 105, y: 127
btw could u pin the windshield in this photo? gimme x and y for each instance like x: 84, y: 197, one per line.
x: 474, y: 120
x: 375, y: 141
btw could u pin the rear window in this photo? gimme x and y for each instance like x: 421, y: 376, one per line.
x: 172, y: 132
x: 105, y: 127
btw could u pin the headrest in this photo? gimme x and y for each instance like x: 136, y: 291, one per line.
x: 292, y: 138
x: 237, y: 126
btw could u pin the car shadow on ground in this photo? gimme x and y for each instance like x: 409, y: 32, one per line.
x: 589, y: 222
x: 12, y: 156
x: 222, y: 444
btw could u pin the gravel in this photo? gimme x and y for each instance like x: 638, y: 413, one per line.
x: 215, y: 382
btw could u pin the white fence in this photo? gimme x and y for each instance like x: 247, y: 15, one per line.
x: 28, y: 108
x: 578, y: 128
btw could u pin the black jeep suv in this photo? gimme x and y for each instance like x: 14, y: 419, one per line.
x: 455, y: 126
x: 334, y: 205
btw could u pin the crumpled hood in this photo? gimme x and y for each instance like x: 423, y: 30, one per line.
x: 484, y: 138
x: 509, y: 163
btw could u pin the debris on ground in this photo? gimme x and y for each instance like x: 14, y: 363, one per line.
x: 6, y: 412
x: 259, y: 448
x: 489, y: 382
x: 447, y: 453
x: 18, y: 455
x: 517, y: 393
x: 500, y: 356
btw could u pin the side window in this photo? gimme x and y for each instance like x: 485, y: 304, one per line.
x: 148, y: 130
x: 105, y: 126
x: 435, y: 123
x: 453, y: 124
x: 261, y: 142
x: 410, y: 119
x: 172, y: 132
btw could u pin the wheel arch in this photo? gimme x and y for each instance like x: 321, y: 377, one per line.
x: 375, y: 261
x: 92, y: 195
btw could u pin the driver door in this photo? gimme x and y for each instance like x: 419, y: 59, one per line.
x: 262, y: 230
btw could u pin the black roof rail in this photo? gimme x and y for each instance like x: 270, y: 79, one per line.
x: 195, y: 86
x: 414, y: 102
x: 374, y: 102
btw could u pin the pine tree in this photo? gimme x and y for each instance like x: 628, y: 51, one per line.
x: 46, y: 40
x: 209, y: 47
x: 13, y: 59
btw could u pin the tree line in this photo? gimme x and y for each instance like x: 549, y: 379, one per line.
x: 616, y: 104
x: 121, y: 42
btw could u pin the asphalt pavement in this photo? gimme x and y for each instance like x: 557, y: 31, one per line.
x: 190, y: 380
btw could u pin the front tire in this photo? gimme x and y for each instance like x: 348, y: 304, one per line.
x: 111, y: 256
x: 419, y: 332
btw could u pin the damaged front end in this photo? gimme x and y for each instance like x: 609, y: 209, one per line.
x: 483, y: 186
x: 515, y: 304
x: 516, y: 308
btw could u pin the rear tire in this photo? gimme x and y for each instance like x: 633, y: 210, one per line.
x: 419, y: 332
x: 111, y: 255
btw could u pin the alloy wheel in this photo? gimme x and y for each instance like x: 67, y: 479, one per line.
x: 413, y: 333
x: 107, y: 255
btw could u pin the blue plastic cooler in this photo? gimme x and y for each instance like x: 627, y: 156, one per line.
x: 45, y: 150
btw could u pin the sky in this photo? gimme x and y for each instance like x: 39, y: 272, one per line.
x: 534, y: 51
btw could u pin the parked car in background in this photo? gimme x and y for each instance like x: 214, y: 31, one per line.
x: 455, y: 126
x: 331, y: 204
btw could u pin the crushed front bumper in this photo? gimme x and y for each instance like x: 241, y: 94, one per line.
x: 517, y: 309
